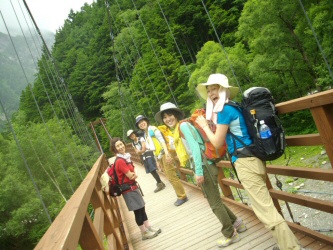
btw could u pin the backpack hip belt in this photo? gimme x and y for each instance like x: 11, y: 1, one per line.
x: 126, y: 187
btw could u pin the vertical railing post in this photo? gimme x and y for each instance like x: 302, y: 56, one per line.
x: 323, y: 117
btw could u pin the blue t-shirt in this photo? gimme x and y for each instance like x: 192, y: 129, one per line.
x: 232, y: 117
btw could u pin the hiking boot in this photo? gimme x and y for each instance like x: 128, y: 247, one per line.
x: 160, y: 186
x: 228, y: 241
x: 239, y: 225
x: 148, y: 235
x: 180, y: 202
x: 155, y: 230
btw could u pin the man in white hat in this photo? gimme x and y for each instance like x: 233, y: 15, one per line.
x: 251, y: 171
x: 147, y: 157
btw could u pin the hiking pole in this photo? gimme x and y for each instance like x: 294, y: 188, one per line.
x: 279, y: 185
x: 137, y: 183
x: 237, y: 189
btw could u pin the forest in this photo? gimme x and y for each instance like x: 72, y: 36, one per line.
x: 119, y: 59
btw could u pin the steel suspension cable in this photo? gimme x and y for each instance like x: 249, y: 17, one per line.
x: 74, y: 108
x: 36, y: 103
x: 52, y: 178
x: 225, y: 53
x: 48, y: 97
x: 179, y: 51
x: 316, y: 38
x: 24, y: 158
x: 174, y: 39
x: 154, y: 51
x: 120, y: 93
x: 139, y: 55
x: 128, y: 74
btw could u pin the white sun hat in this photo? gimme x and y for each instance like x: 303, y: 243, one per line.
x: 219, y: 79
x: 129, y: 132
x: 167, y: 106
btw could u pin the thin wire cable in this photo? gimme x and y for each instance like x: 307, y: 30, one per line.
x: 315, y: 36
x: 152, y: 46
x: 23, y: 157
x: 180, y: 53
x: 34, y: 98
x: 50, y: 56
x: 117, y: 65
x: 129, y: 57
x: 137, y: 50
x: 53, y: 179
x: 48, y: 97
x: 61, y: 82
x: 174, y: 39
x: 225, y: 53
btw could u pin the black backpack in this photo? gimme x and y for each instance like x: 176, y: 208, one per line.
x: 257, y: 105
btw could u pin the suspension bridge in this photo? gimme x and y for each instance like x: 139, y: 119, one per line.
x: 90, y: 219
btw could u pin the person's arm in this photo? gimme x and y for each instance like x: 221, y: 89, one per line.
x: 189, y: 135
x: 131, y: 175
x: 216, y: 139
x: 161, y: 140
x: 143, y: 146
x: 123, y: 167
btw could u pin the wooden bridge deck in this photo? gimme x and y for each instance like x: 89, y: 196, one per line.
x: 193, y: 225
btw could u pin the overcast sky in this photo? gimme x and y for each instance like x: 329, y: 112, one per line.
x: 48, y: 14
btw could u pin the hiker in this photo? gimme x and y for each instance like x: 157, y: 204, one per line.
x: 133, y: 198
x: 168, y: 159
x: 148, y: 159
x: 251, y: 171
x: 205, y: 174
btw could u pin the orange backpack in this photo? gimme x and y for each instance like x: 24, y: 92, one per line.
x: 211, y: 152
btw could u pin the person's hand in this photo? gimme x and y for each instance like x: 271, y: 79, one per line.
x: 133, y: 176
x: 168, y: 158
x: 201, y: 121
x: 200, y: 179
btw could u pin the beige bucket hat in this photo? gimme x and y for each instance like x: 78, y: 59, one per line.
x: 167, y: 106
x: 219, y: 79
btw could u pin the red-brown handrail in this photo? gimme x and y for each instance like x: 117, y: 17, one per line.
x: 74, y: 226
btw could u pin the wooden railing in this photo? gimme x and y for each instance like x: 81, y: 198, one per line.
x: 74, y: 225
x: 102, y: 228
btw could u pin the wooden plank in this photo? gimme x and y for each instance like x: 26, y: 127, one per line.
x: 306, y: 201
x: 304, y: 140
x: 306, y: 102
x: 323, y: 117
x: 72, y: 216
x: 193, y: 225
x: 308, y: 173
x: 93, y: 241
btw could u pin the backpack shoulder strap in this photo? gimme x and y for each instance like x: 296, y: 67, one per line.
x: 115, y: 172
x: 235, y: 104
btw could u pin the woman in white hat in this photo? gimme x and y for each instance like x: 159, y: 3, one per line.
x: 168, y: 160
x: 147, y: 157
x: 185, y: 140
x: 251, y: 171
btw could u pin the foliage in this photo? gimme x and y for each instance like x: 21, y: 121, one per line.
x: 42, y: 169
x: 127, y: 59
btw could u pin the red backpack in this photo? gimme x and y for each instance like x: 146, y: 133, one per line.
x: 114, y: 186
x: 211, y: 152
